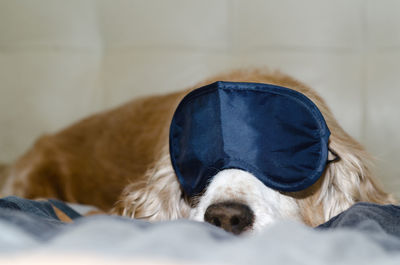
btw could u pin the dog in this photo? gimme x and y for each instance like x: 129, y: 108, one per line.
x: 119, y: 161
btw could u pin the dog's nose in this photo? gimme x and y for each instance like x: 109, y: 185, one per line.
x: 231, y: 216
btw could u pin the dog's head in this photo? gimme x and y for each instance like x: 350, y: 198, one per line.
x: 238, y: 201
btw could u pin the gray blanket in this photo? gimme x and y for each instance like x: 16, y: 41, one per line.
x: 365, y: 234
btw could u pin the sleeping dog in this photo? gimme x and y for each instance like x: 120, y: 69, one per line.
x: 120, y: 161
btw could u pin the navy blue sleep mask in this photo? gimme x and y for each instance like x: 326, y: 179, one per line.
x: 275, y: 133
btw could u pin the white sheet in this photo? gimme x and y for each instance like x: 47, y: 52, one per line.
x: 125, y: 241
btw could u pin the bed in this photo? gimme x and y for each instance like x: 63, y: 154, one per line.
x: 50, y: 231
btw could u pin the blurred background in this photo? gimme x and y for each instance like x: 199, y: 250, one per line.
x: 62, y: 60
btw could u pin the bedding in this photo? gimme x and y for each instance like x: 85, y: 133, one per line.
x: 42, y: 231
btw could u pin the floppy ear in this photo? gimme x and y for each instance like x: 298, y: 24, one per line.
x: 346, y: 180
x: 349, y: 179
x: 157, y: 198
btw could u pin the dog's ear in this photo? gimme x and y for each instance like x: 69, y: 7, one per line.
x: 348, y: 178
x: 157, y: 198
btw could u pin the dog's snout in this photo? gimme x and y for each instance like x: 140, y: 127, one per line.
x: 231, y: 216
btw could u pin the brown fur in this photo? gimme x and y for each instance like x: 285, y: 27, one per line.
x: 103, y: 158
x: 3, y: 174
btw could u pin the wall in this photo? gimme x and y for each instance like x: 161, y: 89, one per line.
x: 62, y: 60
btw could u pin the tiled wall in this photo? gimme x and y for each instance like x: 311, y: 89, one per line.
x: 61, y: 60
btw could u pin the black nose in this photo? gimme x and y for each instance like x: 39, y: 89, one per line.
x: 231, y: 216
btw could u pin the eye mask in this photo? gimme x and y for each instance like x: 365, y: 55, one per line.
x: 275, y: 133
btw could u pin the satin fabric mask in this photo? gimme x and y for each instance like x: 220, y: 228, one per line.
x: 275, y: 133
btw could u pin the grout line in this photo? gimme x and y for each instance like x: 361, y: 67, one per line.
x: 364, y: 72
x: 183, y: 48
x: 100, y: 97
x: 15, y: 48
x: 233, y: 51
x: 231, y: 25
x: 230, y: 50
